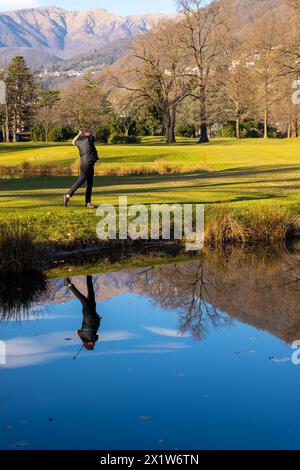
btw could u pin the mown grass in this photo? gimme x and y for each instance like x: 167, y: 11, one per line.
x: 219, y: 154
x: 250, y: 188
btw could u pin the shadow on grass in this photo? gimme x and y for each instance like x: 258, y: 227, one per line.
x: 63, y: 182
x: 78, y: 201
x: 31, y: 146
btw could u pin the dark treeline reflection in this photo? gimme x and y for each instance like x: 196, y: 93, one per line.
x: 19, y: 293
x: 257, y: 288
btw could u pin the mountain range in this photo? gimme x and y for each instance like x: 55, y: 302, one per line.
x: 51, y: 34
x: 79, y: 40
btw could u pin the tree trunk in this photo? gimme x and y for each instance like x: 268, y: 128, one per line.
x: 7, y: 136
x: 266, y: 114
x: 203, y: 136
x: 171, y: 126
x: 238, y: 127
x: 15, y: 126
x: 266, y: 124
x: 296, y: 127
x: 289, y: 131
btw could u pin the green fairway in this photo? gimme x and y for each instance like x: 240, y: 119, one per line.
x: 242, y: 174
x: 220, y: 154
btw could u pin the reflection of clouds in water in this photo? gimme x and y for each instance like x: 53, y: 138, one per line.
x: 39, y: 317
x: 116, y: 336
x: 19, y: 361
x: 165, y: 332
x: 161, y: 348
x: 26, y: 351
x: 29, y: 351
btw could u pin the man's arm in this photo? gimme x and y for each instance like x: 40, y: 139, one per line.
x: 76, y: 138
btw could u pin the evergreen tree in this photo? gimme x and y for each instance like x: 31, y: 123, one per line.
x: 21, y: 93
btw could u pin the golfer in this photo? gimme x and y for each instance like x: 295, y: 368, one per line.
x: 91, y: 320
x: 85, y: 142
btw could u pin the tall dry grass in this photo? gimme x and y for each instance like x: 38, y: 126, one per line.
x: 26, y: 170
x: 18, y: 253
x: 268, y: 224
x: 160, y: 167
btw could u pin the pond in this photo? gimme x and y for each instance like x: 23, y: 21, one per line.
x: 195, y: 354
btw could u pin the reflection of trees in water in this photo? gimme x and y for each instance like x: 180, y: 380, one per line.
x: 19, y: 293
x: 183, y: 287
x: 258, y: 288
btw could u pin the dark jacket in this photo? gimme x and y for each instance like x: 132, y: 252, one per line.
x: 87, y: 149
x: 91, y: 320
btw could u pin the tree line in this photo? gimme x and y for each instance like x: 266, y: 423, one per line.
x: 203, y: 73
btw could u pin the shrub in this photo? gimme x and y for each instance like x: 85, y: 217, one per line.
x: 123, y: 139
x: 59, y: 134
x: 185, y: 130
x: 38, y: 133
x: 251, y: 129
x: 228, y: 130
x: 102, y: 134
x: 133, y: 139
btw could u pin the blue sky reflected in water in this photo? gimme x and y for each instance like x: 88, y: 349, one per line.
x: 144, y: 386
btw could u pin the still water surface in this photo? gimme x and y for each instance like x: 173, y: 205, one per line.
x: 191, y: 355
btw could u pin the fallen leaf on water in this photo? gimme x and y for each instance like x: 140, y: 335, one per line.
x: 144, y: 418
x: 19, y: 444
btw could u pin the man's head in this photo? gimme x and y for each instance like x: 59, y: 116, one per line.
x: 86, y: 132
x: 89, y: 346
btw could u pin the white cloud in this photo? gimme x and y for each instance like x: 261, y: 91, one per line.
x: 164, y: 332
x: 18, y: 4
x: 27, y: 351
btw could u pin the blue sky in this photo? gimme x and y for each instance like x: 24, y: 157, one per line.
x: 120, y: 7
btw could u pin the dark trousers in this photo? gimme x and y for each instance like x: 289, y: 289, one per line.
x: 86, y: 175
x: 89, y: 302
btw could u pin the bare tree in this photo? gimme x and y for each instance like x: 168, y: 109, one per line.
x: 206, y: 30
x: 83, y: 104
x: 235, y: 86
x: 159, y: 76
x: 47, y: 100
x: 264, y: 52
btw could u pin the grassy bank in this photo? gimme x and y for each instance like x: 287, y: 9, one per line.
x: 250, y: 188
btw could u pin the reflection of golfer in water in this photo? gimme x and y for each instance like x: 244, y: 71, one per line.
x: 91, y: 319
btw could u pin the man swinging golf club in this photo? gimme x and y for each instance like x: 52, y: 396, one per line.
x: 85, y: 142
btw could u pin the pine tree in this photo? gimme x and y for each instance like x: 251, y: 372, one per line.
x: 21, y: 89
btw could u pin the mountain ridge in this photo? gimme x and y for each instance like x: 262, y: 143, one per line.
x: 68, y: 32
x: 63, y: 40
